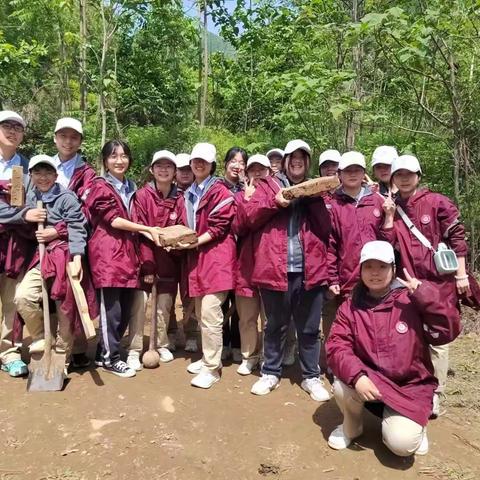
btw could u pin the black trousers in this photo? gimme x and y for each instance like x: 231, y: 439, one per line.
x: 231, y: 329
x: 115, y: 305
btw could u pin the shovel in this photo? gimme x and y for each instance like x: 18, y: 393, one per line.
x: 47, y: 369
x: 151, y: 358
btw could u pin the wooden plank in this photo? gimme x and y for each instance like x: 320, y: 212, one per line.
x: 311, y: 187
x: 174, y: 234
x: 82, y: 304
x: 17, y: 191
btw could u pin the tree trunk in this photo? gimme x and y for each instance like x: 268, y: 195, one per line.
x: 101, y: 93
x: 83, y: 59
x: 204, y: 90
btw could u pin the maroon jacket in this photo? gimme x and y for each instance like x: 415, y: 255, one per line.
x: 388, y: 342
x: 245, y: 250
x: 269, y: 222
x: 112, y: 253
x: 353, y: 225
x: 149, y: 207
x: 211, y: 267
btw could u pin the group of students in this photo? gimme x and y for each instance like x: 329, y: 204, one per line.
x: 344, y: 263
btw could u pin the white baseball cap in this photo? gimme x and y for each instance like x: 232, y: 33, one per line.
x: 163, y: 154
x: 293, y: 145
x: 275, y: 151
x: 8, y: 115
x: 204, y: 151
x: 37, y: 159
x: 260, y: 159
x: 406, y: 162
x: 68, y: 122
x: 384, y: 155
x: 377, y: 250
x: 182, y: 160
x: 351, y: 158
x: 329, y: 156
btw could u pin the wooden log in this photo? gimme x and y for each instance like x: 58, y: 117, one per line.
x: 311, y: 187
x: 170, y: 236
x: 82, y: 304
x: 17, y: 191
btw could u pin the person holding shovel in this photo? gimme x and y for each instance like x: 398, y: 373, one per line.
x: 62, y: 206
x: 160, y: 204
x: 114, y: 263
x: 378, y: 349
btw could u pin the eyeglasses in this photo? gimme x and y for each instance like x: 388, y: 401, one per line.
x: 12, y: 127
x: 121, y: 157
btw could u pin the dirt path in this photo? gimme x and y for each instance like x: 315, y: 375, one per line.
x: 156, y: 426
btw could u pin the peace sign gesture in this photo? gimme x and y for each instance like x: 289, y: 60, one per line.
x: 249, y: 189
x: 410, y: 282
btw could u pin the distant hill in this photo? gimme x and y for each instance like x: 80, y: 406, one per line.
x: 218, y: 44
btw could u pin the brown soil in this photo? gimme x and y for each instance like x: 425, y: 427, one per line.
x: 157, y: 426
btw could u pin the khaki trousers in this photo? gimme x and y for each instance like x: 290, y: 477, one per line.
x: 28, y: 299
x: 136, y: 322
x: 400, y: 434
x: 249, y: 310
x: 208, y: 310
x: 8, y: 352
x: 164, y: 310
x: 439, y: 357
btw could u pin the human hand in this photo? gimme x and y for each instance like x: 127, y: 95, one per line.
x: 463, y: 285
x: 389, y: 206
x: 155, y: 235
x: 281, y: 201
x: 148, y: 279
x: 76, y: 269
x: 36, y: 215
x: 335, y: 289
x: 185, y: 246
x: 367, y: 390
x: 249, y: 190
x: 46, y: 235
x: 410, y: 282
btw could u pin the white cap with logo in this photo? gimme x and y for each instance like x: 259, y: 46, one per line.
x: 260, y: 159
x: 377, y: 250
x: 329, y: 156
x: 163, y: 154
x: 182, y: 160
x: 9, y: 116
x: 406, y: 162
x: 293, y: 145
x: 204, y: 151
x: 68, y: 122
x: 276, y: 151
x: 352, y: 158
x: 384, y: 155
x: 39, y: 159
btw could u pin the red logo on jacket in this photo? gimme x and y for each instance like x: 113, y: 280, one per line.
x: 426, y: 219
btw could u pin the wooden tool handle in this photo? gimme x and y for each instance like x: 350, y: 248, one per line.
x: 153, y: 324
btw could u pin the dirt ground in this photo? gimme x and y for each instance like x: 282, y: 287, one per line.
x: 156, y: 426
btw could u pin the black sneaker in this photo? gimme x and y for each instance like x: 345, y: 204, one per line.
x: 80, y: 360
x: 120, y: 368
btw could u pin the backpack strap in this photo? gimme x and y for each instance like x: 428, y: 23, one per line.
x: 414, y: 230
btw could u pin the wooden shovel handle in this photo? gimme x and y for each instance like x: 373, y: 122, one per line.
x: 153, y: 324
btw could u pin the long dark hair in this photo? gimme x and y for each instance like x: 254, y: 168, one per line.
x: 233, y: 151
x: 110, y: 148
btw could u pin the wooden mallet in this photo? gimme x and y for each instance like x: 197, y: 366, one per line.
x: 151, y: 358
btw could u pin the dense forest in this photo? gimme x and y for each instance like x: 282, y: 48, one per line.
x: 349, y: 74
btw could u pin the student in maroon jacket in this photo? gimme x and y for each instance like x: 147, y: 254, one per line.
x: 247, y: 296
x: 184, y: 175
x: 75, y: 175
x: 290, y: 269
x: 275, y: 156
x: 438, y: 219
x: 160, y: 204
x: 113, y: 253
x: 378, y: 350
x: 210, y: 264
x: 382, y: 159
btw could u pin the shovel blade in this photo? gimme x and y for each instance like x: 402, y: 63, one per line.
x: 44, y: 374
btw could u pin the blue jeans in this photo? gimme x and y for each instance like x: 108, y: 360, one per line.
x: 305, y: 306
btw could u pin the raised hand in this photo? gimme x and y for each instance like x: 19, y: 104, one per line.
x: 410, y: 282
x: 249, y: 190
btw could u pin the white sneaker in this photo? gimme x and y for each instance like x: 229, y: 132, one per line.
x: 265, y: 384
x: 191, y: 345
x: 338, y: 440
x: 133, y: 360
x: 237, y: 355
x: 289, y: 355
x: 316, y: 389
x: 226, y: 353
x: 205, y: 379
x: 423, y: 448
x: 195, y: 367
x: 37, y: 346
x: 172, y: 344
x: 247, y: 366
x: 165, y: 354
